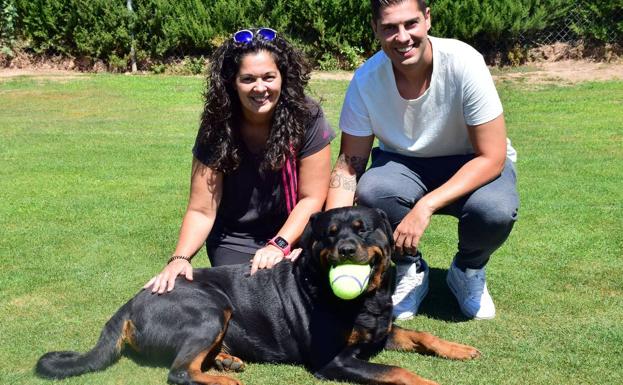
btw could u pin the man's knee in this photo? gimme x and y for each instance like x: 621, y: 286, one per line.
x: 492, y: 215
x: 370, y: 188
x: 376, y: 189
x: 482, y: 230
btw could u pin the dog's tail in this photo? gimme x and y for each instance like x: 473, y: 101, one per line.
x: 105, y: 353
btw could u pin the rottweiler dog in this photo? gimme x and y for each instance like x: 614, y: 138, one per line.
x: 287, y: 314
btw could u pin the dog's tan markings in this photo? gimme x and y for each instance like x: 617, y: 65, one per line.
x: 375, y: 280
x: 357, y: 224
x: 377, y: 277
x: 396, y: 376
x: 227, y: 362
x: 426, y: 343
x: 128, y: 336
x: 361, y: 254
x: 210, y: 379
x: 373, y: 251
x: 324, y: 257
x: 194, y: 368
x: 358, y: 336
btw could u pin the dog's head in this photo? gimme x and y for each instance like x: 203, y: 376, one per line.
x: 357, y: 235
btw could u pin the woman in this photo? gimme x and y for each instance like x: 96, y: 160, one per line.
x: 261, y: 162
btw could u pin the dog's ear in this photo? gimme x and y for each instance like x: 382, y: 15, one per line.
x: 307, y: 238
x: 386, y: 226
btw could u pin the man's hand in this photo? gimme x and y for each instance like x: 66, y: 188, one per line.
x: 410, y: 230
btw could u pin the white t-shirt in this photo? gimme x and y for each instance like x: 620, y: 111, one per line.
x: 461, y: 93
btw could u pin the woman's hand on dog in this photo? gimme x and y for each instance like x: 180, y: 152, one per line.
x: 268, y: 256
x: 265, y: 258
x: 165, y: 281
x: 293, y: 256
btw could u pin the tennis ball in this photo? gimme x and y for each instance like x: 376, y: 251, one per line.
x: 349, y: 281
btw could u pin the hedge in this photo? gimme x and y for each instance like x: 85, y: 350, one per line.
x: 8, y: 19
x: 493, y: 25
x: 333, y: 33
x: 600, y: 21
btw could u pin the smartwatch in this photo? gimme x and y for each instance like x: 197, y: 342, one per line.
x: 281, y: 244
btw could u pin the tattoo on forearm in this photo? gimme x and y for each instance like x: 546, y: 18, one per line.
x: 358, y: 163
x: 346, y: 182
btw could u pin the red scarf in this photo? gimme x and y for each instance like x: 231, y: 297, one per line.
x: 289, y: 178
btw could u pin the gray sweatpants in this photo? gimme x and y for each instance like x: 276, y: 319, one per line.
x: 486, y: 216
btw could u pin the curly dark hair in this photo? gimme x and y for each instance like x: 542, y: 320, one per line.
x: 220, y: 122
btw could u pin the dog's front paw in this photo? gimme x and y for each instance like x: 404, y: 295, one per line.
x: 456, y: 351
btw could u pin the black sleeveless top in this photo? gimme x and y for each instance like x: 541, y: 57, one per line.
x: 253, y: 206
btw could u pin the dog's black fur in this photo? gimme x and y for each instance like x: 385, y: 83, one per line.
x: 287, y: 314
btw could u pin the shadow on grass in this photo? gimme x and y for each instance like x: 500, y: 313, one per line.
x: 163, y: 360
x: 440, y: 303
x: 149, y: 360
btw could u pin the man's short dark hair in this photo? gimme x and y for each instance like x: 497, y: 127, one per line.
x: 377, y: 5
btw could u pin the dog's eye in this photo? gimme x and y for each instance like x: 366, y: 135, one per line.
x: 362, y: 230
x: 332, y: 230
x: 358, y: 227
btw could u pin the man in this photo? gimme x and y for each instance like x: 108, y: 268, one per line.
x: 433, y: 106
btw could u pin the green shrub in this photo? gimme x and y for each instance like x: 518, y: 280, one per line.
x: 47, y: 25
x: 8, y: 15
x: 337, y: 27
x: 332, y: 33
x: 158, y: 68
x: 102, y: 29
x: 600, y: 20
x: 197, y: 27
x: 117, y: 64
x: 328, y: 62
x: 193, y: 27
x: 517, y: 56
x: 195, y: 65
x: 494, y: 25
x: 353, y: 57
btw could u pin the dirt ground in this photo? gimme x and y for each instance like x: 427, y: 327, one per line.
x: 566, y: 71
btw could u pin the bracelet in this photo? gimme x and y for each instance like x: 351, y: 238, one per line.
x: 184, y: 257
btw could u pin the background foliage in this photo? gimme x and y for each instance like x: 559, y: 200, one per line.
x: 8, y: 15
x: 333, y: 33
x: 493, y: 25
x: 600, y: 20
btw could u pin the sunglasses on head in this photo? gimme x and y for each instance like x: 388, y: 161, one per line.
x: 245, y: 35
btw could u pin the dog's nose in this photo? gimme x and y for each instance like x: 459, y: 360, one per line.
x: 346, y: 250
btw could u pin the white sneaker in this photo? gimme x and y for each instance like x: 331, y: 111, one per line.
x: 470, y: 289
x: 411, y: 288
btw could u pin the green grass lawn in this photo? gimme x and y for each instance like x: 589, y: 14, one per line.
x: 94, y: 181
